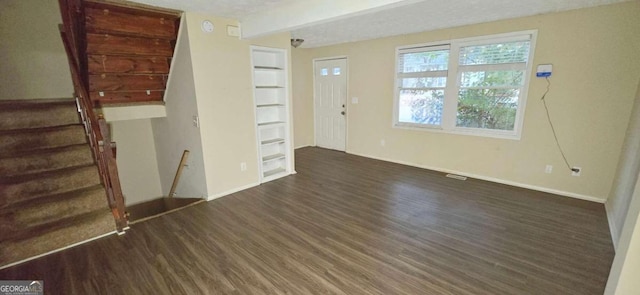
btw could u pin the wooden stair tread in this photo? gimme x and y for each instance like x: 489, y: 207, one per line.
x: 32, y: 186
x: 43, y: 211
x: 6, y: 104
x: 60, y: 196
x: 39, y: 175
x: 51, y: 226
x: 38, y: 115
x: 44, y: 160
x: 54, y: 236
x: 44, y: 151
x: 40, y: 129
x: 33, y: 139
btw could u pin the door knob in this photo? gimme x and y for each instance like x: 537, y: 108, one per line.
x: 342, y: 112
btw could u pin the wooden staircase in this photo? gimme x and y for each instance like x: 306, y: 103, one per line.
x: 51, y: 194
x: 59, y: 182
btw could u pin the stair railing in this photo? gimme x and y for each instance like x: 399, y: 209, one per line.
x: 96, y: 127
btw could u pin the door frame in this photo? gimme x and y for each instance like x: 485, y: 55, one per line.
x: 346, y: 103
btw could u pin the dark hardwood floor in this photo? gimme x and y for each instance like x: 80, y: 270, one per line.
x: 349, y: 225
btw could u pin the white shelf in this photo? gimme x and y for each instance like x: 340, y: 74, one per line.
x: 274, y: 172
x: 268, y: 87
x: 267, y: 68
x: 270, y: 92
x: 272, y: 141
x: 270, y: 105
x: 270, y: 123
x: 273, y: 157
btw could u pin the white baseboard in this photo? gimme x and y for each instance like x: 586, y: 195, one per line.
x: 231, y: 191
x: 302, y: 146
x: 612, y: 227
x: 57, y: 250
x: 491, y: 179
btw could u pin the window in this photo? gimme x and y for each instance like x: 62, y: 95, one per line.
x: 474, y: 86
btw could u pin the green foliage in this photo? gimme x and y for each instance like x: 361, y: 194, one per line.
x: 487, y: 108
x: 428, y: 108
x: 490, y: 108
x: 513, y: 52
x: 486, y: 99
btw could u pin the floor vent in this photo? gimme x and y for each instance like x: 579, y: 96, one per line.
x: 456, y: 176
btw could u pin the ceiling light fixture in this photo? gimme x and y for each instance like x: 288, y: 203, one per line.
x: 296, y: 42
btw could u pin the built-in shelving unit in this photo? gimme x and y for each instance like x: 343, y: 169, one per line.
x: 270, y: 72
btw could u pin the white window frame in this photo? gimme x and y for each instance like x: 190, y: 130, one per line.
x: 450, y: 106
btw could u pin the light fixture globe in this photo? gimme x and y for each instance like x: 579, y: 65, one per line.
x: 296, y: 42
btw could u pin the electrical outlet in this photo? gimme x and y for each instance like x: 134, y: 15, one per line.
x: 243, y: 166
x: 548, y: 169
x: 574, y: 172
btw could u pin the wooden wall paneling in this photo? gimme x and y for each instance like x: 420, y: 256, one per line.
x: 115, y: 22
x: 137, y: 9
x: 111, y: 44
x: 106, y: 82
x: 128, y: 64
x: 127, y: 96
x: 129, y: 50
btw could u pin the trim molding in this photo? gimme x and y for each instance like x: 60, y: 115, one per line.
x: 612, y: 227
x: 492, y: 179
x: 179, y: 36
x: 231, y: 191
x: 57, y: 250
x: 302, y: 146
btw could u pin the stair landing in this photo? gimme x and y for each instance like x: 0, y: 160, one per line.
x: 158, y: 207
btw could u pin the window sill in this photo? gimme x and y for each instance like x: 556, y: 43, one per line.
x: 459, y: 131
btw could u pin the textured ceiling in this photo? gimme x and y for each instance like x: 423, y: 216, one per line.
x: 430, y: 15
x: 425, y: 15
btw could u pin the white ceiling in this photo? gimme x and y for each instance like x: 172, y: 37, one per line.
x: 355, y: 22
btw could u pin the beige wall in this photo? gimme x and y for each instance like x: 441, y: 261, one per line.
x: 301, y: 97
x: 626, y: 174
x: 136, y: 160
x: 33, y: 63
x: 623, y: 278
x: 175, y: 133
x: 596, y: 70
x: 223, y: 90
x: 629, y: 283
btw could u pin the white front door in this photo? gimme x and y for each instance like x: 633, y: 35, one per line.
x: 330, y: 103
